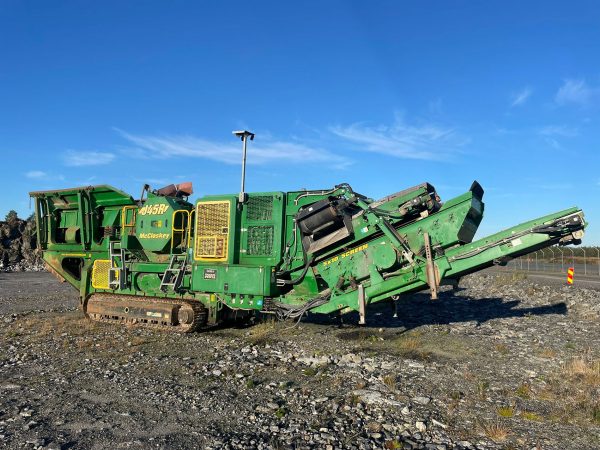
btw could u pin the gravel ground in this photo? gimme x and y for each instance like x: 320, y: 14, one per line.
x: 501, y: 363
x: 28, y: 292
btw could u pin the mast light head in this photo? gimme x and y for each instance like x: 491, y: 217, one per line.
x: 244, y: 134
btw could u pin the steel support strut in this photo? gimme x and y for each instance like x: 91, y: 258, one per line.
x: 430, y: 268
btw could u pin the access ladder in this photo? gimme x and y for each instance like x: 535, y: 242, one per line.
x: 173, y: 276
x: 117, y: 274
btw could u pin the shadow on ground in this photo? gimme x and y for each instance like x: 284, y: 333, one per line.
x: 418, y: 309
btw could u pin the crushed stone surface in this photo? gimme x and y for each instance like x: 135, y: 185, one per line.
x: 502, y: 362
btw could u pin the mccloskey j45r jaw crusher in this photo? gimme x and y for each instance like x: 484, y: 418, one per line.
x: 165, y: 263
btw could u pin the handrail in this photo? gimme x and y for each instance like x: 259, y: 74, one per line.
x: 191, y: 214
x: 184, y: 224
x: 124, y: 223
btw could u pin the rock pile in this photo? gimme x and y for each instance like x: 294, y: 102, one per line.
x: 18, y: 245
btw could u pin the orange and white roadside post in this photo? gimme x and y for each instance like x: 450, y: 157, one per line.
x: 570, y: 273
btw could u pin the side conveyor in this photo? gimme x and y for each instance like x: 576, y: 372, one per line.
x: 561, y: 228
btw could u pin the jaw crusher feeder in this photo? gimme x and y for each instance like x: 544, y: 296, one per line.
x: 166, y: 263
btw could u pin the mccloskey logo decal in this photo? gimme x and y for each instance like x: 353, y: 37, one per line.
x: 154, y: 235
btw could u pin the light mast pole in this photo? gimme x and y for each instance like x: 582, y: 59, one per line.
x: 243, y: 135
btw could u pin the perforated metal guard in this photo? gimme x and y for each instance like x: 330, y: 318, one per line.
x: 212, y: 230
x: 260, y: 240
x: 260, y: 208
x: 100, y: 274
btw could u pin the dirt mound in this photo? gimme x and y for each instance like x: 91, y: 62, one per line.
x: 18, y: 245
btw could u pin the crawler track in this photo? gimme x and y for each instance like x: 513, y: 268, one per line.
x: 165, y: 314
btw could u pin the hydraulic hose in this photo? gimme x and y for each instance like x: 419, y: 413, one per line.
x: 283, y: 282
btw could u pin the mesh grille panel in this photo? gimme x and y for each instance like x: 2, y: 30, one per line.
x: 100, y: 274
x: 212, y: 230
x: 260, y: 208
x: 260, y: 240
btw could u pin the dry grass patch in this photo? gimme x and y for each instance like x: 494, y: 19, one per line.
x: 338, y: 381
x: 502, y: 348
x: 573, y: 391
x: 263, y: 332
x: 83, y: 344
x: 374, y: 427
x: 529, y: 415
x: 524, y: 391
x: 495, y: 430
x: 426, y: 346
x: 411, y: 346
x: 74, y: 324
x: 390, y: 381
x: 584, y: 369
x: 360, y: 384
x: 353, y: 400
x: 482, y: 389
x: 508, y: 279
x: 506, y: 411
x: 548, y: 353
x: 531, y: 291
x: 136, y: 341
x: 409, y: 343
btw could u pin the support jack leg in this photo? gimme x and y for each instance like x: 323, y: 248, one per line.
x: 362, y: 307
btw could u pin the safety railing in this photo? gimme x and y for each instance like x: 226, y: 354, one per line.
x: 180, y: 233
x: 128, y: 220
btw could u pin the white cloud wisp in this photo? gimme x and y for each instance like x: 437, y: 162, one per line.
x: 426, y: 142
x: 40, y: 175
x: 77, y: 158
x: 519, y: 98
x: 576, y: 92
x: 559, y: 130
x: 36, y: 174
x: 268, y: 150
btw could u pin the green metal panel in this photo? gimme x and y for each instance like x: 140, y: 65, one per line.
x: 147, y: 282
x: 207, y: 278
x: 261, y: 229
x: 231, y: 279
x: 153, y: 224
x: 69, y: 218
x: 245, y: 280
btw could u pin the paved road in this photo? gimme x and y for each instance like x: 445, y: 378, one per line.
x: 590, y: 282
x: 590, y: 270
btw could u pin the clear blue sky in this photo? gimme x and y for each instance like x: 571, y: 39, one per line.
x: 383, y: 95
